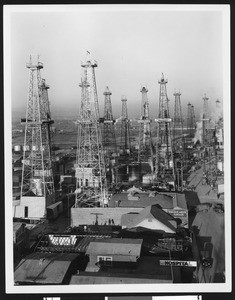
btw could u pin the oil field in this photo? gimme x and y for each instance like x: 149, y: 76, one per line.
x: 125, y: 189
x: 117, y: 200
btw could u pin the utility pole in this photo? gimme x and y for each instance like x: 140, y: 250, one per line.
x: 91, y: 185
x: 37, y: 186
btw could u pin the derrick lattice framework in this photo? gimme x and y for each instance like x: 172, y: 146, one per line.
x: 178, y: 120
x: 37, y: 175
x: 205, y: 119
x: 145, y: 142
x: 109, y: 137
x: 125, y: 126
x: 164, y: 155
x: 178, y: 141
x: 90, y: 165
x: 191, y: 124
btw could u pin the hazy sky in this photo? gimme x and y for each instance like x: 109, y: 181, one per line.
x: 132, y: 48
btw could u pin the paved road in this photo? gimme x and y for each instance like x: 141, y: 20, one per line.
x: 211, y: 236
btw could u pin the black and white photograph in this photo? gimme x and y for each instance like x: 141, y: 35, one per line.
x: 117, y: 149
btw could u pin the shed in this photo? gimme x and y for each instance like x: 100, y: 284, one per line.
x: 113, y: 249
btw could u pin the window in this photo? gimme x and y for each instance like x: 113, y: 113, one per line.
x: 105, y: 260
x: 26, y: 211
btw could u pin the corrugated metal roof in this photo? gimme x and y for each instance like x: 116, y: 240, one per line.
x: 44, y: 268
x: 130, y: 247
x: 84, y: 243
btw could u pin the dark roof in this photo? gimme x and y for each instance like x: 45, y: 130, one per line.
x: 179, y: 199
x: 44, y: 268
x: 17, y: 226
x: 145, y: 199
x: 114, y: 246
x: 147, y: 270
x: 191, y: 198
x: 149, y: 212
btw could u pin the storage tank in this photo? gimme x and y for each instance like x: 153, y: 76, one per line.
x: 147, y: 179
x: 134, y: 172
x: 220, y: 166
x: 17, y: 148
x: 34, y: 147
x: 26, y: 148
x: 36, y: 186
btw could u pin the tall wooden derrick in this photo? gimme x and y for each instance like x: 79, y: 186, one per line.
x: 37, y: 186
x: 125, y: 127
x: 164, y: 169
x: 205, y: 120
x: 109, y: 136
x: 91, y: 186
x: 145, y: 151
x: 191, y: 124
x: 178, y: 141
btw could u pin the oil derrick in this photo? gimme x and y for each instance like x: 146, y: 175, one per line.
x: 190, y: 121
x: 125, y: 127
x: 37, y: 187
x: 164, y: 157
x: 178, y: 123
x: 145, y: 142
x: 109, y: 138
x: 194, y: 126
x: 91, y: 187
x: 205, y: 119
x: 178, y: 141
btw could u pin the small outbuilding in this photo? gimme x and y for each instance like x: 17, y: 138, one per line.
x: 107, y: 251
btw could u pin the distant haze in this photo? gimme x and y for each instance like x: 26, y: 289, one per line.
x: 132, y: 47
